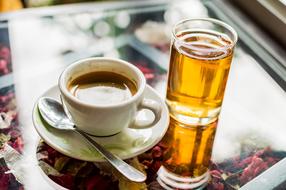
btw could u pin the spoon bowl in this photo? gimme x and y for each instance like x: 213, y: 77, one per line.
x: 54, y: 114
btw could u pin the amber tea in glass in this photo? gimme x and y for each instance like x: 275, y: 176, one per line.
x: 201, y: 54
x: 189, y: 149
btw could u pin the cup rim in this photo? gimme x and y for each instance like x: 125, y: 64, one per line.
x: 211, y: 20
x: 140, y: 90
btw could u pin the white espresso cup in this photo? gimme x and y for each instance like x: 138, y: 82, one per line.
x: 110, y: 119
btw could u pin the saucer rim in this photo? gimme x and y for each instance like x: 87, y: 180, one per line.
x: 100, y: 158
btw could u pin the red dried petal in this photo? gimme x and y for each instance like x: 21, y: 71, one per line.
x: 97, y: 182
x: 65, y: 180
x: 216, y: 186
x: 52, y: 154
x: 14, y: 133
x: 262, y: 167
x: 7, y: 97
x: 255, y: 168
x: 149, y: 76
x: 256, y: 161
x: 271, y: 161
x: 246, y: 175
x: 262, y: 152
x: 215, y: 173
x: 156, y: 152
x: 5, y: 53
x: 18, y: 144
x: 4, y: 181
x: 155, y: 166
x: 163, y: 145
x: 244, y: 162
x: 144, y: 68
x: 165, y: 48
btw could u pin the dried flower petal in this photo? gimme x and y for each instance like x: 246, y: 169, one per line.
x: 97, y: 182
x: 156, y: 152
x: 5, y: 53
x: 65, y: 180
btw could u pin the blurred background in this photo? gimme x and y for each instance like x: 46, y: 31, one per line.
x: 8, y: 5
x: 50, y: 34
x: 269, y: 14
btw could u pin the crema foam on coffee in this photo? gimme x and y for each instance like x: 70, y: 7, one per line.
x: 102, y: 88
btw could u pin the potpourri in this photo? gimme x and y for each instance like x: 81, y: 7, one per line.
x: 75, y: 174
x: 11, y: 141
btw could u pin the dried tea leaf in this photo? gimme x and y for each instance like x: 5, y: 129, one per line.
x: 75, y: 166
x: 3, y: 139
x: 49, y: 170
x: 87, y: 170
x: 61, y: 162
x: 124, y: 183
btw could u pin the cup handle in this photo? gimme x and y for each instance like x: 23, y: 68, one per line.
x: 151, y: 105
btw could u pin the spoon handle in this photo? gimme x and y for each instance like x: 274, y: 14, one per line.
x: 125, y: 169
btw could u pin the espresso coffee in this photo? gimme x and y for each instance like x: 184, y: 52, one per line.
x: 102, y: 88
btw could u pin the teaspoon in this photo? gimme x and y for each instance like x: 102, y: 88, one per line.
x: 53, y: 113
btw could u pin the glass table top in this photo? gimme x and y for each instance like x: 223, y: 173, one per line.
x: 43, y: 42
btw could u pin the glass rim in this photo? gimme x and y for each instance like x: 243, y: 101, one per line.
x: 211, y: 20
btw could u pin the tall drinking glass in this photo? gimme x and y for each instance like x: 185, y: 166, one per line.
x: 201, y: 54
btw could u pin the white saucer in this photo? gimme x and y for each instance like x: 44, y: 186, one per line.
x: 126, y: 144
